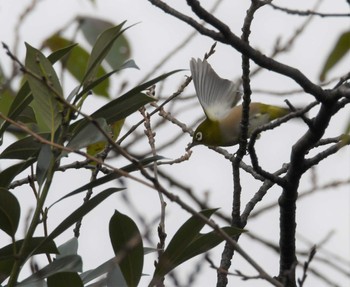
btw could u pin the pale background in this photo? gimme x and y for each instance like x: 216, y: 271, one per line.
x: 206, y: 171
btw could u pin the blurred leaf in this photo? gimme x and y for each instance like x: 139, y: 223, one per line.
x: 126, y: 240
x: 7, y: 257
x: 23, y: 148
x: 69, y: 263
x: 10, y: 212
x: 8, y: 174
x: 6, y: 99
x: 104, y: 179
x: 120, y: 50
x: 338, y: 52
x: 64, y: 279
x: 187, y: 243
x: 76, y: 62
x: 45, y: 88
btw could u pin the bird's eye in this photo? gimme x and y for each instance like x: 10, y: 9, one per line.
x: 199, y: 136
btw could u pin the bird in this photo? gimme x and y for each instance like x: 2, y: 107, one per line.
x: 218, y: 98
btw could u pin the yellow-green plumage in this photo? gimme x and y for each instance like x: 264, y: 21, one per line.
x: 218, y: 98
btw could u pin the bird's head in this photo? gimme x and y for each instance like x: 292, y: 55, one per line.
x: 207, y: 133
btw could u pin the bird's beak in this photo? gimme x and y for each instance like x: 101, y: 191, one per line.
x: 191, y: 145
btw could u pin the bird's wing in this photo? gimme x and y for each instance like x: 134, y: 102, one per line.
x: 216, y: 95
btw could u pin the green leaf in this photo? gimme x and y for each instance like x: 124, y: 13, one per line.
x: 109, y: 177
x: 76, y: 61
x: 339, y: 50
x: 7, y: 257
x: 6, y: 99
x: 23, y: 148
x: 100, y: 50
x: 64, y: 279
x: 10, y: 212
x: 45, y: 87
x: 69, y: 263
x: 60, y: 52
x: 93, y: 27
x: 204, y: 242
x: 174, y: 254
x: 8, y: 174
x: 127, y: 242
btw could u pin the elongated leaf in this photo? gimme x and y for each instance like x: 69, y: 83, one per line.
x: 8, y: 174
x: 61, y: 52
x: 109, y: 177
x: 340, y: 49
x: 45, y: 87
x: 174, y: 253
x: 93, y: 27
x: 204, y: 242
x: 100, y: 50
x: 126, y: 240
x: 23, y: 148
x: 69, y: 263
x: 10, y: 212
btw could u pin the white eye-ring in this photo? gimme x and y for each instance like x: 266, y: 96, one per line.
x: 199, y: 136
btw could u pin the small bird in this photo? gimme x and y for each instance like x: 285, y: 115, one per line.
x: 218, y: 98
